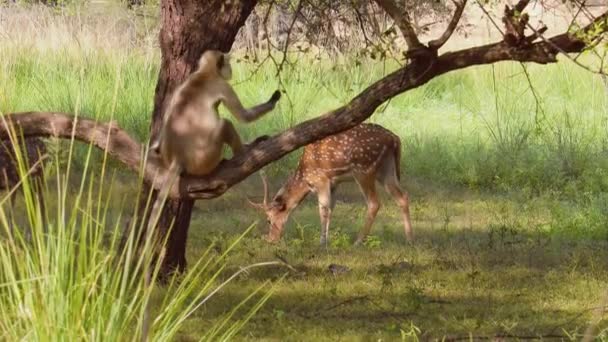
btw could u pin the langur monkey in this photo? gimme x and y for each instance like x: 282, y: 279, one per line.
x: 192, y: 135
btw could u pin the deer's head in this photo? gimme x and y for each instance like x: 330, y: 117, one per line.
x: 277, y: 211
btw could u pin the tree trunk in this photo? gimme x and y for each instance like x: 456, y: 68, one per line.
x: 188, y: 27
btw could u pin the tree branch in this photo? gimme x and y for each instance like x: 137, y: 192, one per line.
x: 521, y: 5
x: 233, y: 171
x: 401, y: 19
x: 438, y: 43
x: 62, y: 125
x: 515, y: 23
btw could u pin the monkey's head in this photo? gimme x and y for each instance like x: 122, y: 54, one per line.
x: 216, y: 62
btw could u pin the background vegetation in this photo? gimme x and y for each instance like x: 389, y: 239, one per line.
x: 508, y: 180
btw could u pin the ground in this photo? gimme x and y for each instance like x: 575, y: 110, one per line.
x: 482, y: 264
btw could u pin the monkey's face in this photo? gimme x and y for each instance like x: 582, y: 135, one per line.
x: 216, y: 63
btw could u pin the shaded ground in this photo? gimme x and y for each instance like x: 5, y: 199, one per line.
x: 481, y: 265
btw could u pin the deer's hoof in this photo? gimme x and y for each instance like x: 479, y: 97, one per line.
x: 323, y: 242
x: 270, y: 239
x: 409, y: 238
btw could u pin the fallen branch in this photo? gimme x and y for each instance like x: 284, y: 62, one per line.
x: 345, y: 302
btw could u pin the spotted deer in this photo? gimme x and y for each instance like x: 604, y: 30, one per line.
x: 366, y: 153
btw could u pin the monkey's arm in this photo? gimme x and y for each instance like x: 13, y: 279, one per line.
x: 232, y: 102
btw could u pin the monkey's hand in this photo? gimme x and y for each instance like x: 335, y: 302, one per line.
x: 275, y: 97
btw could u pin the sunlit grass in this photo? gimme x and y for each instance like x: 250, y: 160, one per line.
x: 480, y: 127
x: 483, y: 265
x: 71, y: 271
x: 508, y: 201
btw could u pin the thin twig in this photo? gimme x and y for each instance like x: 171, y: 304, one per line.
x: 287, y: 39
x: 437, y: 43
x: 580, y: 9
x: 347, y: 302
x: 535, y: 94
x: 545, y: 40
x: 485, y: 11
x: 359, y: 19
x: 403, y: 22
x: 521, y: 5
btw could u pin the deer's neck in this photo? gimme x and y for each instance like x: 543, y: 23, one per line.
x: 294, y: 191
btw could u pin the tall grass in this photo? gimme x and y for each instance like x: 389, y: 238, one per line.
x: 481, y: 127
x: 66, y: 276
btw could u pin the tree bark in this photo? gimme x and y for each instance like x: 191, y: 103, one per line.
x: 188, y: 27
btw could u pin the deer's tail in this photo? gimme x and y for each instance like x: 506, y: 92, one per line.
x: 397, y: 153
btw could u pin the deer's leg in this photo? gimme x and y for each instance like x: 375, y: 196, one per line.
x: 388, y: 176
x: 332, y: 202
x: 367, y: 184
x: 402, y: 199
x: 326, y: 203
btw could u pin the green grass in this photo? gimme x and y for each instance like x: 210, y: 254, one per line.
x: 67, y: 274
x: 508, y: 199
x: 482, y: 264
x: 479, y: 128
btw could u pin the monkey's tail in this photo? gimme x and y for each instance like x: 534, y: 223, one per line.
x: 171, y: 176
